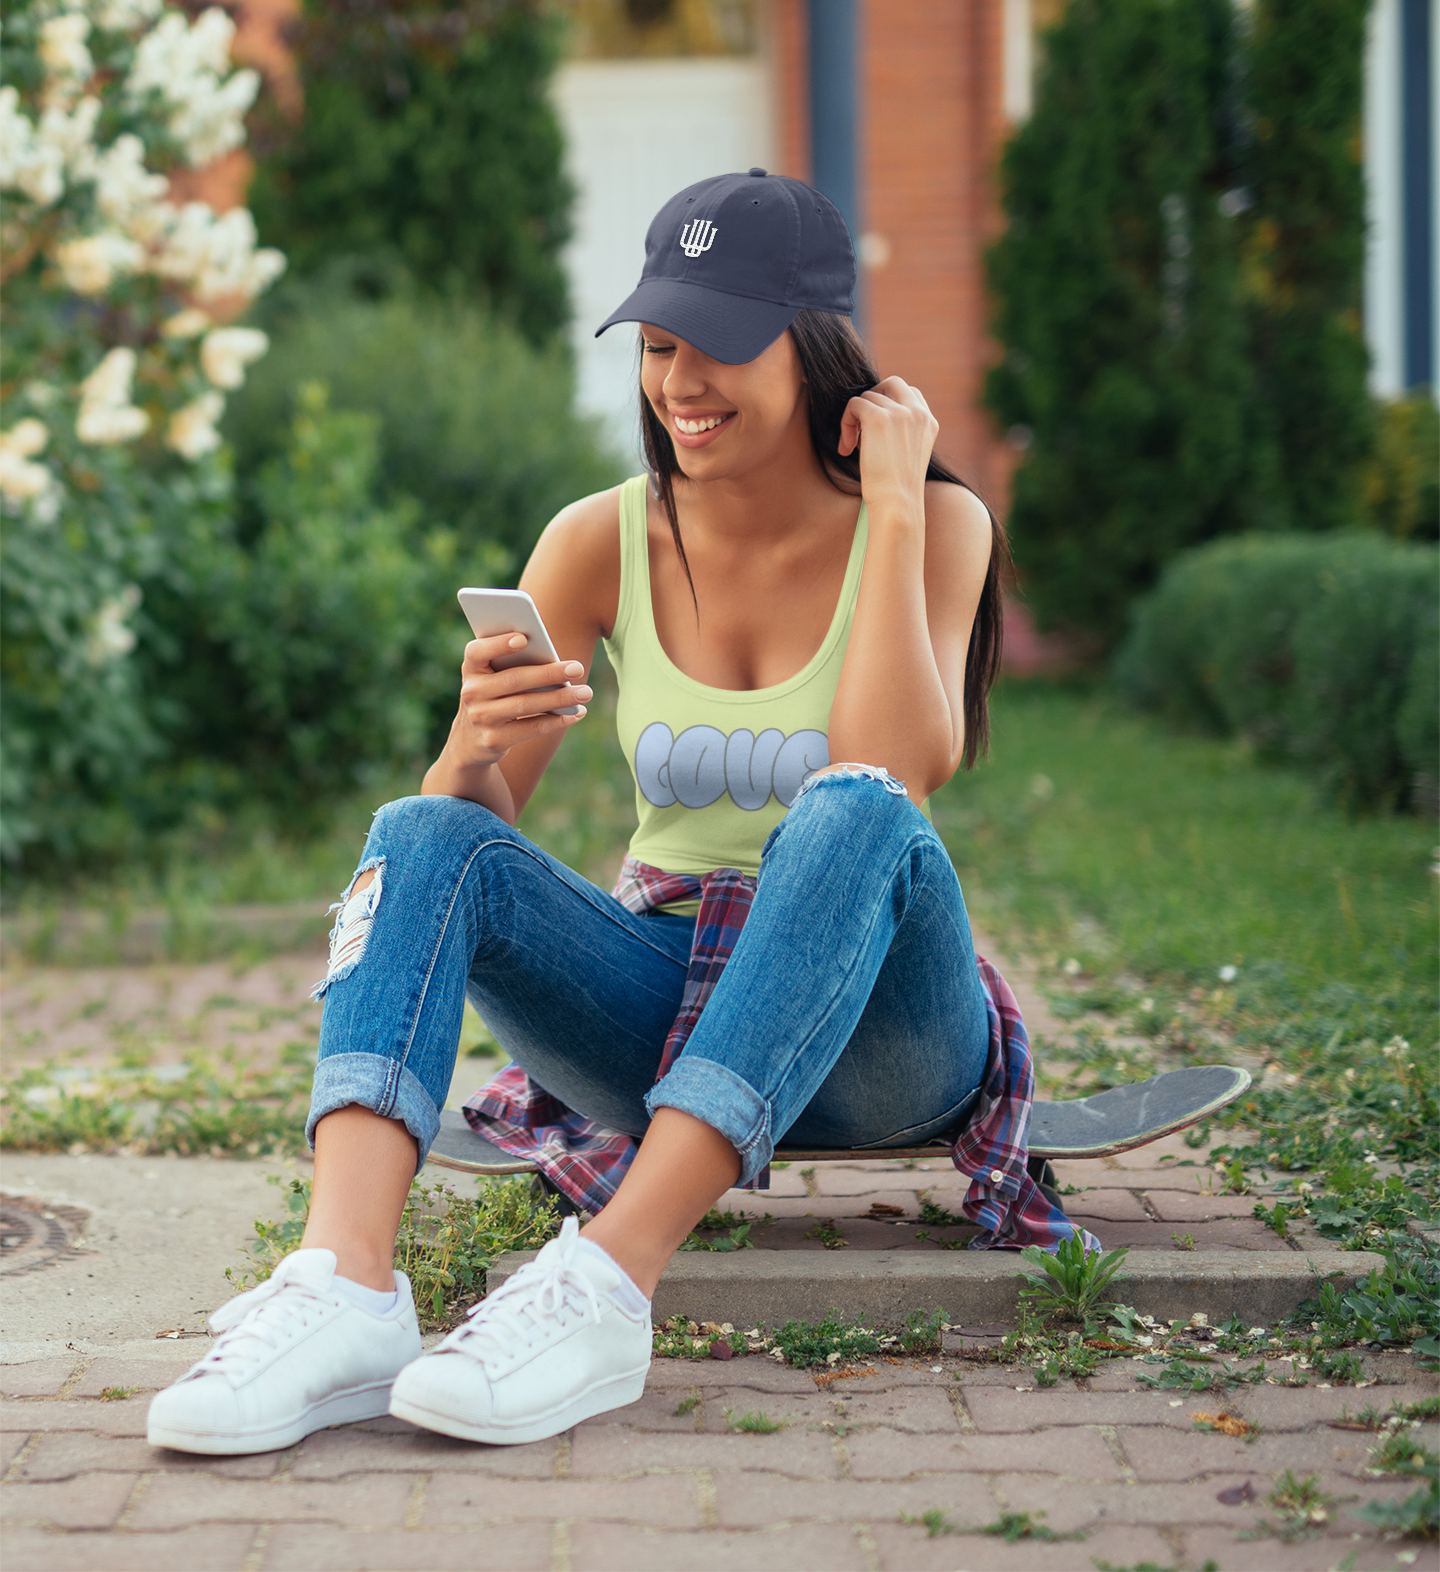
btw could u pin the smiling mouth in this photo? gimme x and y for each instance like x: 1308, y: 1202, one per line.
x: 694, y: 428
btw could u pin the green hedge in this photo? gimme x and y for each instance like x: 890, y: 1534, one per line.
x: 1320, y: 650
x: 474, y: 425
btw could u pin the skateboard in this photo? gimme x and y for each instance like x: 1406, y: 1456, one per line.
x: 1097, y: 1126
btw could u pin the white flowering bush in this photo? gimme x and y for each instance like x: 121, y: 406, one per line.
x: 119, y: 354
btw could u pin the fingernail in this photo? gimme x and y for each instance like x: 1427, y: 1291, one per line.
x: 581, y: 711
x: 517, y: 641
x: 574, y: 669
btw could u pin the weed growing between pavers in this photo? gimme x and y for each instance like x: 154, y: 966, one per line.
x: 934, y: 1216
x: 445, y: 1244
x: 1399, y: 1452
x: 1303, y: 1509
x: 1181, y: 1375
x: 724, y: 1231
x: 754, y: 1423
x: 1101, y: 1565
x: 921, y: 1333
x: 830, y: 1234
x: 678, y: 1338
x: 1395, y: 1304
x: 1075, y: 1279
x: 1009, y: 1526
x: 809, y: 1346
x: 117, y: 1394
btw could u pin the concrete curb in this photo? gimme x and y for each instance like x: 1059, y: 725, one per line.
x: 768, y: 1287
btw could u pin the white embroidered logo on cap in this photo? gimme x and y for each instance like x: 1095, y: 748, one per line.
x: 697, y: 236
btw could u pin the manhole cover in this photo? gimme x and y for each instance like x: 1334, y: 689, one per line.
x: 34, y: 1234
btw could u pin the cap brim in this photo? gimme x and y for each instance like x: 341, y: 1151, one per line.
x: 729, y: 328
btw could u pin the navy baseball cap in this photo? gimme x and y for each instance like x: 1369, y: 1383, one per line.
x: 730, y: 262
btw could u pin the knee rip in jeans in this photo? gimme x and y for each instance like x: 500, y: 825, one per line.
x: 351, y: 933
x: 865, y: 772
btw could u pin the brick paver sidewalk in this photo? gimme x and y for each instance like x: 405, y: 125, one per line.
x: 666, y: 1484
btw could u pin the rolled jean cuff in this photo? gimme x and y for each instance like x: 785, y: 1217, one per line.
x: 382, y: 1085
x: 719, y: 1097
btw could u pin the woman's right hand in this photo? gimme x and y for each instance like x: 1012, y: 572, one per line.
x: 500, y: 709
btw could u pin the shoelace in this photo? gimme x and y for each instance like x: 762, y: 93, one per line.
x: 259, y: 1322
x: 507, y: 1321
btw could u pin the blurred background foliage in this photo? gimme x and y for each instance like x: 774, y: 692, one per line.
x: 1177, y: 299
x: 427, y: 135
x: 473, y: 422
x: 411, y: 428
x: 1178, y: 295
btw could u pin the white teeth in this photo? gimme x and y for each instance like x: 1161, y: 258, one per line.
x: 693, y: 428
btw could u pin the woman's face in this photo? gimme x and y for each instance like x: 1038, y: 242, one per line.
x: 724, y: 420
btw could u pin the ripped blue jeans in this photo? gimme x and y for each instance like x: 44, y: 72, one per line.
x: 850, y: 1014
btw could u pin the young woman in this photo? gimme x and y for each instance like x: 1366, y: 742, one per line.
x: 796, y: 582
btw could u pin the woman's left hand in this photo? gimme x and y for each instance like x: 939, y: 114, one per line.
x: 895, y: 432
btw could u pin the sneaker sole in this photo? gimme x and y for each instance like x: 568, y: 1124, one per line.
x: 614, y: 1393
x: 341, y: 1408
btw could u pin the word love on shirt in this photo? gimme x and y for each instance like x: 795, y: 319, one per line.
x: 700, y: 765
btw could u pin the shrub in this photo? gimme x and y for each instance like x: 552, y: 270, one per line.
x: 116, y: 367
x: 428, y: 132
x: 473, y: 423
x: 1319, y: 650
x: 330, y: 632
x: 1304, y: 249
x: 1178, y: 293
x: 1361, y: 651
x: 1402, y: 480
x: 1418, y: 728
x: 1119, y: 302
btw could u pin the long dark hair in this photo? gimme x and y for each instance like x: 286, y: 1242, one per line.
x: 837, y: 368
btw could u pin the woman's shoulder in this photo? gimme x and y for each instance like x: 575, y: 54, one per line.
x: 584, y: 534
x: 953, y: 505
x: 590, y: 524
x: 959, y: 534
x: 577, y: 558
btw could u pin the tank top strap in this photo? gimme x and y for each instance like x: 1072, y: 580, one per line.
x: 632, y: 612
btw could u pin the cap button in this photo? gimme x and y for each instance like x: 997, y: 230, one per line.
x: 757, y: 171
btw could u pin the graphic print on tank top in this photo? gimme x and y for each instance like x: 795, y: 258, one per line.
x: 700, y: 765
x: 716, y: 769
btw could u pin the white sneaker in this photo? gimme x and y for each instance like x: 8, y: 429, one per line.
x: 550, y: 1348
x: 294, y: 1355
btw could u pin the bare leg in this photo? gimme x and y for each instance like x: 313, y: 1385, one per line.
x: 363, y: 1168
x: 682, y: 1168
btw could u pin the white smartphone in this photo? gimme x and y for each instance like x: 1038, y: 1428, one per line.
x: 494, y: 611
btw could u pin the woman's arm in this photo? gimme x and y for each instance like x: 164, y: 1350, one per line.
x: 493, y: 756
x: 899, y: 702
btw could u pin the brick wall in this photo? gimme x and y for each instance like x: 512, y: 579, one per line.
x: 932, y: 126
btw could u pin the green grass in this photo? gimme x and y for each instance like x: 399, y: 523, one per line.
x: 1171, y: 888
x: 1096, y: 834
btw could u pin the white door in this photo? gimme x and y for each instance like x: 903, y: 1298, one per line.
x: 638, y: 131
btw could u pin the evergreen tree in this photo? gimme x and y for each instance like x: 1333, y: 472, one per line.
x: 1119, y: 304
x: 427, y: 135
x: 1305, y: 252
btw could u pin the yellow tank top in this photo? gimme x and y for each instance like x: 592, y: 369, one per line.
x: 715, y: 768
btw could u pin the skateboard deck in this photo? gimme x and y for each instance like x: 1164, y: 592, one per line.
x: 1097, y: 1126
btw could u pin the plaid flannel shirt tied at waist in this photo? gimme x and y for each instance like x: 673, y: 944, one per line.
x: 586, y: 1161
